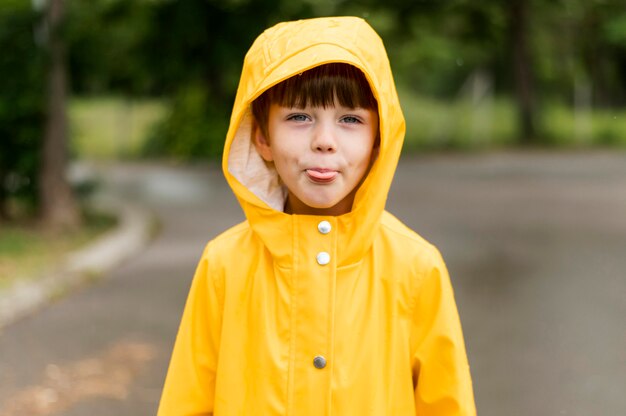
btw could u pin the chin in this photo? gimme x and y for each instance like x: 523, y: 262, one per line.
x: 321, y: 205
x: 320, y: 202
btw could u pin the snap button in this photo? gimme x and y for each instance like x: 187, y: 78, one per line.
x: 319, y: 362
x: 323, y: 258
x: 324, y: 227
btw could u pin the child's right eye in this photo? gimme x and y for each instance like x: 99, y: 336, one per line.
x: 298, y: 117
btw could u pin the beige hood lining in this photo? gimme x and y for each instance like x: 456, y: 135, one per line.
x: 249, y: 168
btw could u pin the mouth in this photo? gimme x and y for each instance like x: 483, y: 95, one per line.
x: 319, y: 175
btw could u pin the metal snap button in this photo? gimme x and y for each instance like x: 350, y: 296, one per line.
x: 324, y: 227
x: 323, y: 258
x: 319, y: 362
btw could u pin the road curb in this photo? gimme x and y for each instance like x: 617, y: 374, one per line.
x: 132, y: 233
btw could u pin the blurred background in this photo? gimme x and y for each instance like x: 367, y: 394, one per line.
x: 488, y: 88
x: 156, y: 78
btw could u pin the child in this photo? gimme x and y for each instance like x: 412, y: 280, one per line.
x: 321, y: 303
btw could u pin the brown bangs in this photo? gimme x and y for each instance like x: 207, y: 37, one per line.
x: 318, y: 87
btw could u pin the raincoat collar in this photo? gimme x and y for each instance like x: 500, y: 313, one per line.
x: 283, y: 51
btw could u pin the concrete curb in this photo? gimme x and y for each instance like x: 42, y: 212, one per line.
x: 133, y: 232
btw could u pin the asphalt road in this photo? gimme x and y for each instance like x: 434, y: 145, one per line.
x: 535, y: 244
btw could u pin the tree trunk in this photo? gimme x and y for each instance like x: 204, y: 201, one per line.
x: 522, y: 69
x: 4, y: 215
x: 58, y: 207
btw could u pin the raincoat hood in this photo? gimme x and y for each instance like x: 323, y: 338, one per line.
x: 281, y: 52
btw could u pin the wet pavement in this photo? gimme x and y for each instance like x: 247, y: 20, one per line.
x: 536, y: 247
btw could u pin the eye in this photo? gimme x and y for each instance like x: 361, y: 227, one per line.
x: 351, y: 120
x: 298, y: 117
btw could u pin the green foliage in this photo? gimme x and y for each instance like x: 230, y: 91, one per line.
x: 435, y: 46
x: 194, y: 128
x: 615, y: 29
x: 580, y: 42
x: 22, y: 100
x: 105, y: 40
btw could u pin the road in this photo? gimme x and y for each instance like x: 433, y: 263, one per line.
x: 535, y: 243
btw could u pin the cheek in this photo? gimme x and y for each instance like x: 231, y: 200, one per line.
x: 285, y: 152
x: 362, y: 157
x: 286, y: 158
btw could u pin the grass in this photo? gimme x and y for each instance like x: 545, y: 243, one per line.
x: 104, y: 128
x: 491, y: 123
x: 26, y: 252
x: 434, y: 123
x: 564, y: 127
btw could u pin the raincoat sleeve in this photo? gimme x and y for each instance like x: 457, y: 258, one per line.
x: 441, y: 374
x: 190, y: 383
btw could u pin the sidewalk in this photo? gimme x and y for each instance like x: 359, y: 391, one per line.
x: 131, y: 234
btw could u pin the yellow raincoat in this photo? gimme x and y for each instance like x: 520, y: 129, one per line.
x: 268, y: 329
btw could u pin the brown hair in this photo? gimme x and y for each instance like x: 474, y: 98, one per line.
x: 318, y: 87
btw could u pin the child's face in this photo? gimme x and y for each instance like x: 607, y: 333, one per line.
x: 320, y: 154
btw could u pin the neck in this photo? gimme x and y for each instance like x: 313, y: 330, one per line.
x: 295, y: 206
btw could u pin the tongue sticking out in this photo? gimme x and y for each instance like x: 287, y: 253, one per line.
x: 319, y: 175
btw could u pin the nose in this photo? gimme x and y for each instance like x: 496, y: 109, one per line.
x: 324, y: 140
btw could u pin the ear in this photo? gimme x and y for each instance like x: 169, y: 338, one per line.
x: 261, y: 142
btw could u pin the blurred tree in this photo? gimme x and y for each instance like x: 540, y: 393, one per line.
x: 611, y: 28
x: 21, y: 106
x: 522, y: 65
x: 58, y: 207
x: 599, y: 51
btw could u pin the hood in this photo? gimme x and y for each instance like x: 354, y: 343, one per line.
x: 283, y: 51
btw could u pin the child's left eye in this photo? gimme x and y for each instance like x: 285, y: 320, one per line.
x: 351, y: 120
